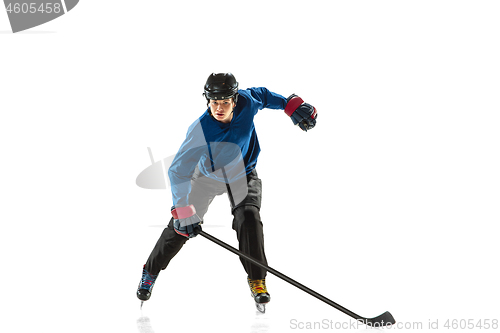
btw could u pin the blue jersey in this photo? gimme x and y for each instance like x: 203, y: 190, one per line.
x: 224, y: 152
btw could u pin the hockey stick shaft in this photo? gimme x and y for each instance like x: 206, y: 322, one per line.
x: 281, y: 276
x: 384, y: 319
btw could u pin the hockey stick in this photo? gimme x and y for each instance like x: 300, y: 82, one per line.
x: 383, y: 320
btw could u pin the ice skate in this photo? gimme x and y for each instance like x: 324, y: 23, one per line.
x: 259, y: 293
x: 146, y: 285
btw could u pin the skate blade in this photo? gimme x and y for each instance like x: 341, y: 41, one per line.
x: 142, y: 302
x: 261, y: 307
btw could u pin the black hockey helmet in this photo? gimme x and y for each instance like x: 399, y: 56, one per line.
x: 221, y: 86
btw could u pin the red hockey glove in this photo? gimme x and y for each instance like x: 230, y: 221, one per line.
x: 186, y: 222
x: 302, y: 114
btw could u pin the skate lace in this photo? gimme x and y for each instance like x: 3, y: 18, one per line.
x: 258, y: 286
x: 147, y: 280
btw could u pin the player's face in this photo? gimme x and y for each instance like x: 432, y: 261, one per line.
x: 222, y: 110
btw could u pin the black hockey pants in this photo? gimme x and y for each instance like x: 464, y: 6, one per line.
x: 245, y: 203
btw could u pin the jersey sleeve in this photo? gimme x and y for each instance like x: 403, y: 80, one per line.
x: 267, y: 99
x: 182, y: 168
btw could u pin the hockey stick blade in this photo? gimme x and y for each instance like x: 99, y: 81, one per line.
x: 383, y: 320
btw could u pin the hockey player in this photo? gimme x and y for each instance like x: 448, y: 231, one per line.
x: 219, y: 155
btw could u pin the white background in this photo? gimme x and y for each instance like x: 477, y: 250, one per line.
x: 390, y: 203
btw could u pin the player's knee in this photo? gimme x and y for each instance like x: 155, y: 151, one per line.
x: 251, y: 213
x: 248, y: 216
x: 172, y: 238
